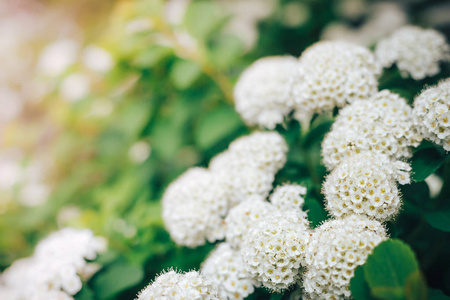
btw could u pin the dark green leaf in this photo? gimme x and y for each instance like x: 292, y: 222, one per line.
x: 426, y: 162
x: 216, y: 125
x: 439, y: 219
x: 358, y: 286
x: 317, y: 133
x: 151, y: 56
x: 184, y: 73
x: 117, y: 278
x: 434, y: 294
x: 85, y: 294
x: 388, y: 267
x: 316, y: 213
x: 415, y: 287
x: 417, y: 193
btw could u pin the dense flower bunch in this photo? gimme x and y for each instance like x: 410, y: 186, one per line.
x: 56, y: 269
x: 263, y: 92
x: 173, y: 285
x: 335, y: 250
x: 242, y: 216
x: 333, y: 74
x: 274, y: 248
x: 225, y: 267
x: 194, y: 206
x: 249, y: 165
x: 288, y: 196
x: 432, y: 114
x: 416, y: 51
x: 381, y: 124
x: 365, y: 183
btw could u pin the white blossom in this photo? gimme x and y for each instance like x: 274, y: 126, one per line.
x: 274, y: 248
x: 225, y: 267
x: 172, y: 285
x: 382, y: 124
x: 288, y: 196
x: 193, y: 208
x: 263, y: 92
x: 415, y: 51
x: 432, y: 114
x: 365, y: 183
x: 333, y: 74
x: 335, y: 250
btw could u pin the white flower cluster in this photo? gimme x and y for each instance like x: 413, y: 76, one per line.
x: 336, y: 249
x: 365, y: 183
x: 172, y: 285
x: 263, y: 92
x: 225, y: 267
x: 194, y: 206
x: 274, y: 248
x: 416, y: 51
x: 288, y: 196
x: 382, y: 124
x: 332, y: 74
x: 242, y: 216
x: 56, y: 269
x: 249, y: 165
x: 432, y: 114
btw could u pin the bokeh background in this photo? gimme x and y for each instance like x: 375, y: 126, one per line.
x: 104, y: 103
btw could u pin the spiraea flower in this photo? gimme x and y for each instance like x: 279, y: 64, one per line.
x: 193, y: 208
x: 335, y: 250
x: 366, y: 183
x: 416, y: 51
x: 432, y: 114
x: 225, y: 267
x: 263, y: 92
x: 381, y: 124
x: 333, y: 74
x: 173, y: 285
x: 249, y: 165
x: 241, y: 217
x: 288, y: 196
x: 56, y: 268
x: 274, y: 248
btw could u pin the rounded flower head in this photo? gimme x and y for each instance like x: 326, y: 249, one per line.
x: 193, y: 208
x: 56, y: 269
x: 432, y: 114
x: 381, y: 124
x: 172, y: 285
x: 225, y: 267
x: 333, y: 74
x: 335, y: 250
x: 288, y: 196
x: 274, y: 248
x: 263, y: 92
x: 242, y: 216
x: 416, y: 51
x: 249, y: 165
x: 365, y: 183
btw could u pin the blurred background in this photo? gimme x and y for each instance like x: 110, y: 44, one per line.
x: 104, y: 103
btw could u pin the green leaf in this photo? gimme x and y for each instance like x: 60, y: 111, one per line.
x: 184, y: 73
x: 417, y: 193
x: 151, y: 56
x: 388, y: 269
x: 425, y: 162
x: 415, y: 287
x: 358, y: 286
x: 202, y: 18
x: 225, y: 51
x: 216, y: 125
x: 317, y: 133
x: 117, y: 278
x: 316, y: 213
x: 434, y: 294
x: 85, y: 294
x: 439, y: 219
